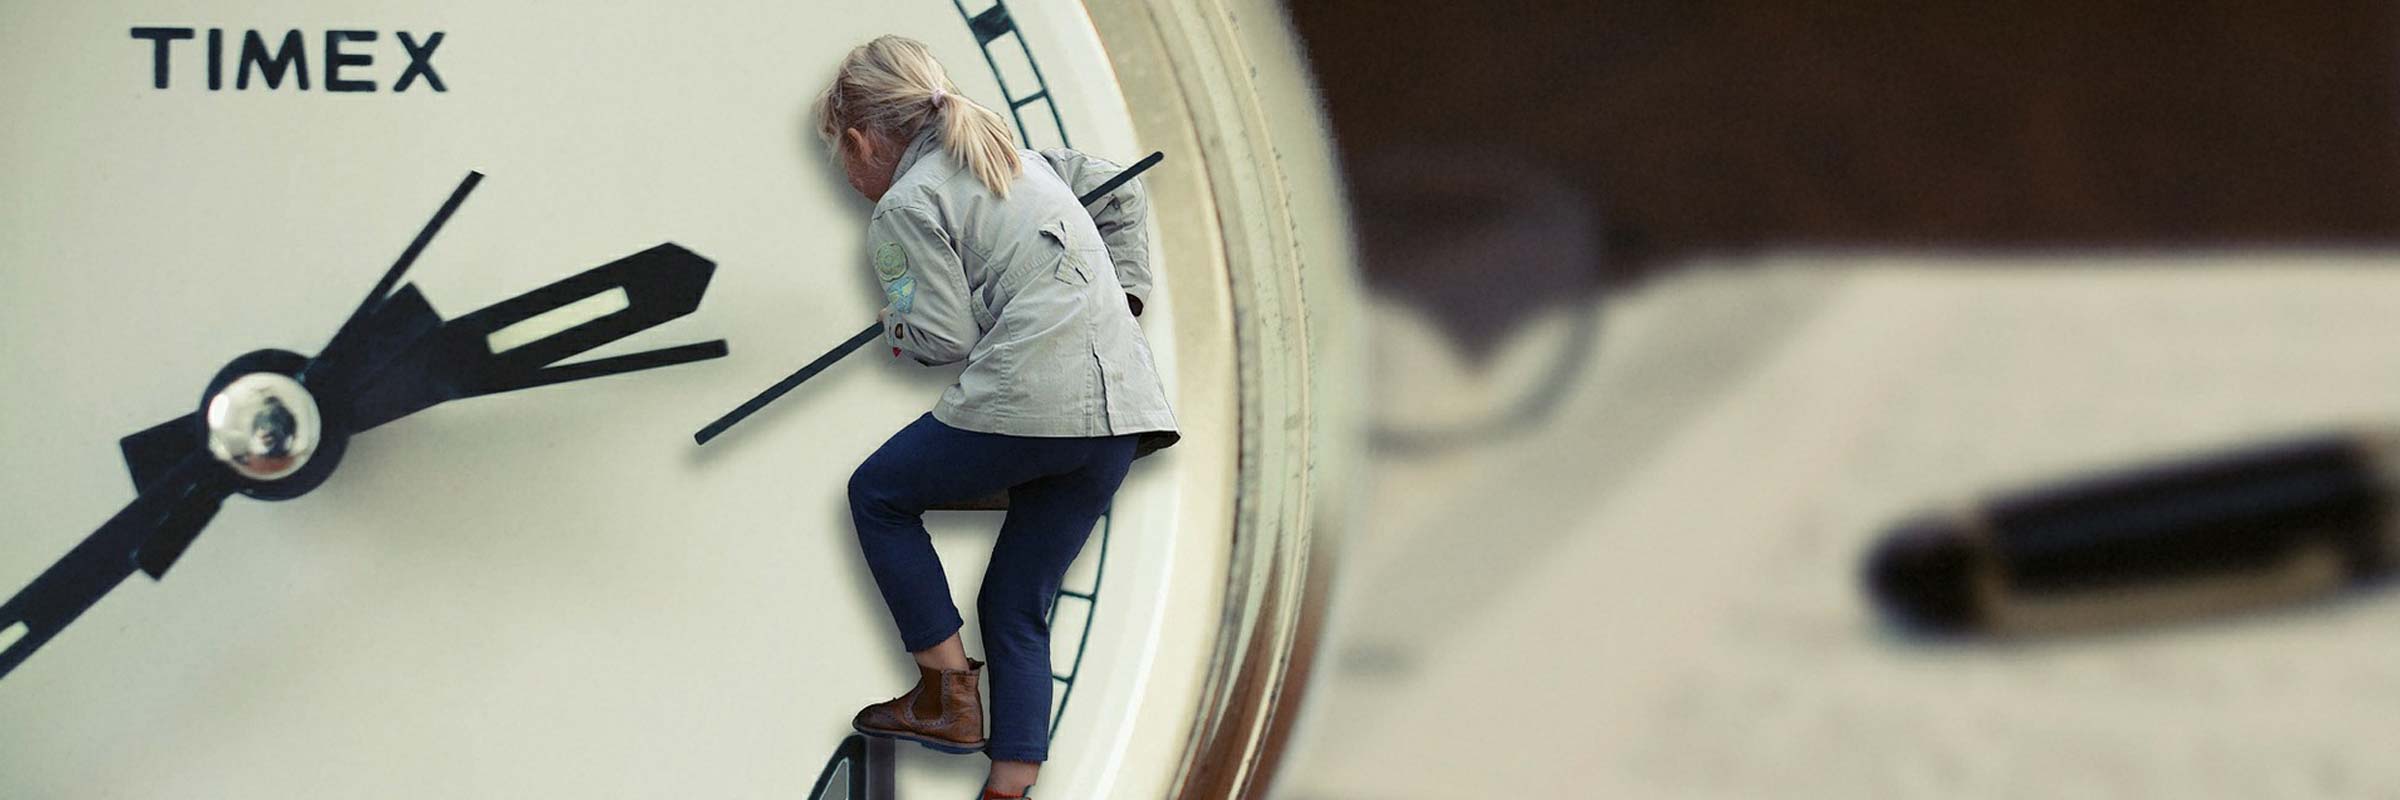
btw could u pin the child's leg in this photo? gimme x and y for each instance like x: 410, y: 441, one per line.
x: 1048, y: 521
x: 927, y: 463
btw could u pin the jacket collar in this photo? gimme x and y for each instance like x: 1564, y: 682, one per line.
x: 928, y: 140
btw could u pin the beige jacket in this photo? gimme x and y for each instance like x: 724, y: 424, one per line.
x: 1023, y: 289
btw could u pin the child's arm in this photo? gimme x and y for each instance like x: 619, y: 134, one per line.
x: 1121, y: 217
x: 927, y: 310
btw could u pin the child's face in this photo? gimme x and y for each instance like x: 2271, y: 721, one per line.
x: 868, y: 162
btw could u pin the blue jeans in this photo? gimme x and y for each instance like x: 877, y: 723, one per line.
x: 1057, y: 489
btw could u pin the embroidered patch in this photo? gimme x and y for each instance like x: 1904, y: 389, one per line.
x: 891, y: 262
x: 901, y: 293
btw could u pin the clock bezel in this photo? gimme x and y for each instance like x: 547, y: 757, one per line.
x: 1276, y: 236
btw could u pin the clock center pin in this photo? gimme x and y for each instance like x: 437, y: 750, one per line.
x: 264, y: 425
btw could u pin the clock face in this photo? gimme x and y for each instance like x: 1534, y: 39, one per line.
x: 549, y: 592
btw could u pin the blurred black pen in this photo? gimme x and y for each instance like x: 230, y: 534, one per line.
x: 2265, y: 525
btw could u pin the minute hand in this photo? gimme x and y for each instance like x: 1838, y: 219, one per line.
x: 463, y: 358
x: 873, y: 330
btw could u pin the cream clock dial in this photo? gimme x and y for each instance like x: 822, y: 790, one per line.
x: 551, y: 592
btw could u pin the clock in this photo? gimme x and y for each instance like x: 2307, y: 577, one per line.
x: 549, y: 590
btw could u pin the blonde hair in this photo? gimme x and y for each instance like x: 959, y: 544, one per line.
x: 893, y: 87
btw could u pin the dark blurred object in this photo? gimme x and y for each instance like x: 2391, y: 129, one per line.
x: 1727, y: 125
x: 2269, y: 524
x: 1479, y: 244
x: 1477, y: 239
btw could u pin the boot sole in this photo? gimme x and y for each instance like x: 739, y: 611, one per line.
x: 952, y: 748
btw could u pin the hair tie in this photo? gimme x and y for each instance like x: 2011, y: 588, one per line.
x: 938, y: 96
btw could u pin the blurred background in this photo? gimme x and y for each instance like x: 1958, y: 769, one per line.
x: 1678, y: 306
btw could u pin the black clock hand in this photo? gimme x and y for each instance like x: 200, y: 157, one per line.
x: 456, y: 359
x: 375, y: 332
x: 751, y: 406
x: 368, y: 338
x: 1122, y: 178
x: 370, y: 334
x: 856, y: 341
x: 356, y: 334
x: 417, y: 360
x: 87, y: 573
x: 392, y: 357
x: 431, y: 361
x: 149, y: 452
x: 153, y: 453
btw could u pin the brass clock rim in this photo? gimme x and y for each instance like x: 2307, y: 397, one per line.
x: 1278, y: 229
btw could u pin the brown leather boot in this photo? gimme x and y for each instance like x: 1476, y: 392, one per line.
x: 943, y: 712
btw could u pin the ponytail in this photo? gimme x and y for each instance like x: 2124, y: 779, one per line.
x: 894, y: 88
x: 978, y: 138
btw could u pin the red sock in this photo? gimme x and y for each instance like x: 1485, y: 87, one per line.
x: 990, y: 793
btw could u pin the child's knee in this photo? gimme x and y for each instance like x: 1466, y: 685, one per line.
x: 873, y: 489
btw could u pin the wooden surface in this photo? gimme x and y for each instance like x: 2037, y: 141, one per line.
x: 1714, y: 126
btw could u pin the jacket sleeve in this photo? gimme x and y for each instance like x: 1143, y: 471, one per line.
x: 927, y: 308
x: 1122, y: 216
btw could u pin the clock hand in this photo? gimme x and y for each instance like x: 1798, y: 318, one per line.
x: 1122, y: 178
x: 258, y: 428
x: 231, y: 428
x: 274, y: 423
x: 477, y: 354
x: 151, y: 452
x: 856, y: 341
x: 415, y: 360
x: 396, y: 356
x: 356, y: 331
x: 760, y: 401
x: 380, y: 326
x: 99, y: 563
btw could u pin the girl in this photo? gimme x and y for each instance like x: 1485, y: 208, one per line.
x: 987, y: 257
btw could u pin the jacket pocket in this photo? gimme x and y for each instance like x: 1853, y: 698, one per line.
x: 1072, y: 268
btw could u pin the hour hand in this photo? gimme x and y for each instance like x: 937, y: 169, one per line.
x: 104, y: 559
x: 517, y: 343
